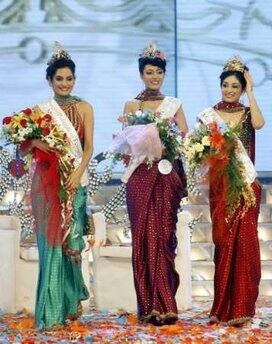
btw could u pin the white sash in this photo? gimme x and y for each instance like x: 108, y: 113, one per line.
x: 210, y: 115
x: 169, y: 106
x: 61, y: 120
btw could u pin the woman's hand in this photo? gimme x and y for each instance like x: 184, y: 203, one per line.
x: 122, y: 118
x: 74, y: 179
x: 36, y: 143
x: 249, y: 82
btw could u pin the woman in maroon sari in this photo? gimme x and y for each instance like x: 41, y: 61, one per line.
x: 153, y: 199
x: 237, y: 254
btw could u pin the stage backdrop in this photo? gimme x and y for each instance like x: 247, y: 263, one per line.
x: 209, y: 32
x: 105, y: 37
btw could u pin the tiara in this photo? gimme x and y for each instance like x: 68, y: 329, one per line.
x: 234, y: 63
x: 152, y: 52
x: 58, y: 53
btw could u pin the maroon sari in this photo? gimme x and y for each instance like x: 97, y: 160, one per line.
x: 153, y: 200
x: 237, y: 253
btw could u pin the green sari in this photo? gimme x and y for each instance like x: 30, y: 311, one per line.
x: 60, y: 284
x: 60, y: 287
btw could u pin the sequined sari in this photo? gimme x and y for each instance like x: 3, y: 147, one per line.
x: 60, y: 284
x: 152, y: 202
x: 237, y: 254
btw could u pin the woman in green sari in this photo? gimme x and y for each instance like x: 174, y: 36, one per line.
x: 59, y: 197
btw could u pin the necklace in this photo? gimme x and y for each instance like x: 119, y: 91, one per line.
x: 61, y: 100
x: 229, y: 107
x: 148, y: 94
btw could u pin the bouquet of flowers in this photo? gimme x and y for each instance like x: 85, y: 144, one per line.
x: 33, y: 123
x: 213, y: 150
x: 146, y: 124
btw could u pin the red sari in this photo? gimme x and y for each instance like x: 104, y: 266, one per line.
x: 152, y: 201
x: 237, y: 254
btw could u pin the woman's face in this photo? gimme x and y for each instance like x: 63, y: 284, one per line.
x: 62, y: 82
x: 231, y: 89
x: 152, y: 77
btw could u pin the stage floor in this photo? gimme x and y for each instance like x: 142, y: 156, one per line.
x: 105, y: 327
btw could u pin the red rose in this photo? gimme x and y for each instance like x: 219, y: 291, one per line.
x: 46, y: 131
x: 39, y: 121
x: 7, y: 120
x: 23, y: 122
x: 27, y: 111
x: 47, y: 117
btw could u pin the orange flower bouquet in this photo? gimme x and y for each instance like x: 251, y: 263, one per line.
x: 211, y: 151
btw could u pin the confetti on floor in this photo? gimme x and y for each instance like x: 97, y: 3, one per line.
x: 105, y: 327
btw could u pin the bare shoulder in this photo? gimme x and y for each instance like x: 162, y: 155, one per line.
x: 85, y: 106
x: 131, y: 105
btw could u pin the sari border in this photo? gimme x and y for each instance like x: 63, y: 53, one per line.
x: 233, y: 322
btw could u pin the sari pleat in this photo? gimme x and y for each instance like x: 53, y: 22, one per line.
x: 237, y: 262
x: 152, y: 201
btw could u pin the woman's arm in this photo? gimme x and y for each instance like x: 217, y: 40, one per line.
x: 257, y: 119
x: 28, y: 146
x: 181, y: 120
x: 88, y: 119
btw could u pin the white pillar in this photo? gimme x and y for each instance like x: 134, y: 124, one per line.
x: 9, y: 250
x: 183, y: 261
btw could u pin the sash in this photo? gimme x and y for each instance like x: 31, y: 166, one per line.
x: 60, y: 119
x: 168, y: 107
x: 210, y: 115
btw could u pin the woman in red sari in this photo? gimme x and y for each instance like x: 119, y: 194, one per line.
x: 237, y: 254
x: 153, y: 199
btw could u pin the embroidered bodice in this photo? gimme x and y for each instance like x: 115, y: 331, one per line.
x: 71, y: 111
x: 247, y: 135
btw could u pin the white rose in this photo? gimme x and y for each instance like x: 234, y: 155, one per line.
x: 190, y: 152
x: 206, y: 141
x: 199, y: 147
x: 187, y: 141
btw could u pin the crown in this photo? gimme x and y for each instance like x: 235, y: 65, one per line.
x: 234, y: 63
x: 58, y: 53
x: 152, y: 52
